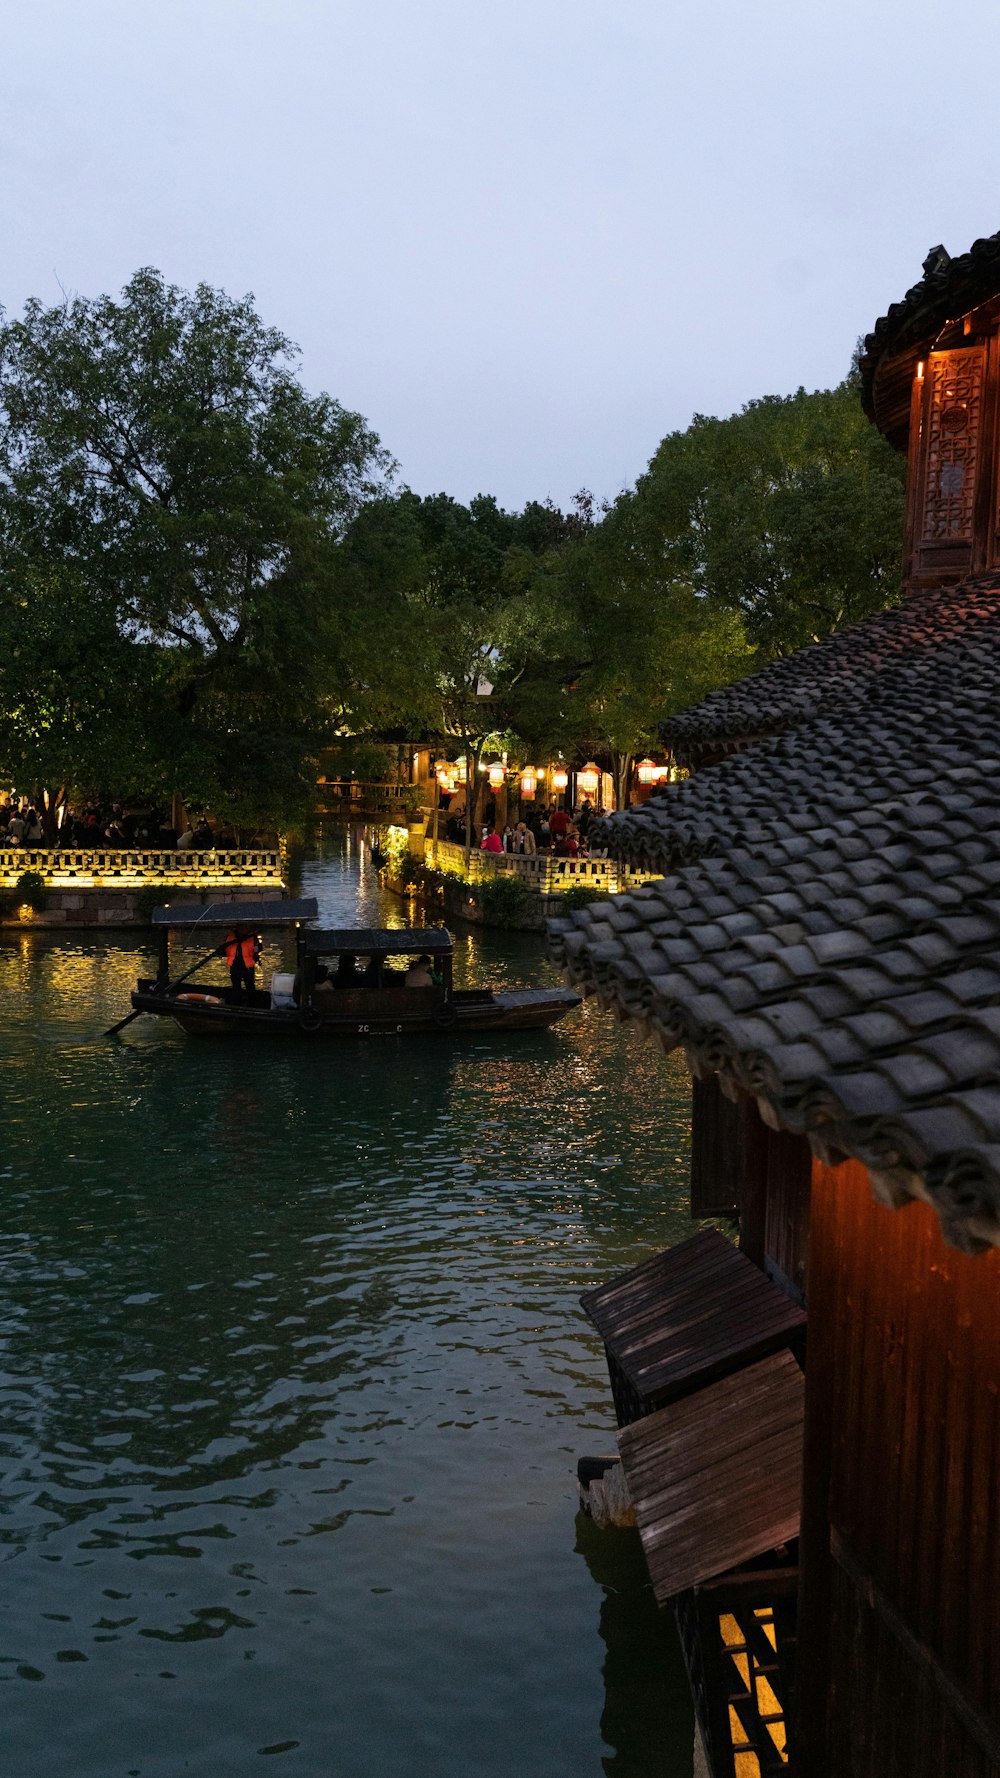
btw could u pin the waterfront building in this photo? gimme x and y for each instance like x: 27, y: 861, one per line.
x: 811, y: 1424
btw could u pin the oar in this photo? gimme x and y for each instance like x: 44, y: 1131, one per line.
x: 169, y: 989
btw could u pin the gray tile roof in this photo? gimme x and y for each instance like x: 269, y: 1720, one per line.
x: 949, y: 288
x: 894, y: 648
x: 828, y: 935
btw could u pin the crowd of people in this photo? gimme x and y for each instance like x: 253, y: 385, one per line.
x: 373, y: 972
x: 106, y: 829
x: 550, y: 830
x: 242, y: 949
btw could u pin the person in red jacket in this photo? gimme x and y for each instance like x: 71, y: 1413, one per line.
x: 242, y: 954
x: 492, y: 842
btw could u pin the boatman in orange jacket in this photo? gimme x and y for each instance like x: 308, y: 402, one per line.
x: 242, y: 955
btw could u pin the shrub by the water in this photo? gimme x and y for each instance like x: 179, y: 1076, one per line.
x: 148, y: 898
x: 411, y: 871
x: 580, y: 896
x: 504, y: 900
x: 29, y: 890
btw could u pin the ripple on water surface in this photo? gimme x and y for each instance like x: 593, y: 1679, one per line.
x: 295, y: 1379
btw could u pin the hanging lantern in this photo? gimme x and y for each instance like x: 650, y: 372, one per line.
x: 560, y: 778
x: 588, y: 779
x: 497, y: 775
x: 446, y: 774
x: 529, y: 781
x: 648, y: 771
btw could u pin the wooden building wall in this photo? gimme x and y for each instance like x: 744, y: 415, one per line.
x: 741, y: 1167
x: 727, y: 1137
x: 900, y: 1595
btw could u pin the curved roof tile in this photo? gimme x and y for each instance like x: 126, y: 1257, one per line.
x: 949, y: 288
x: 827, y: 937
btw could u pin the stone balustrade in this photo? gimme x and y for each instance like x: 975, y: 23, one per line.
x: 547, y: 874
x: 72, y: 867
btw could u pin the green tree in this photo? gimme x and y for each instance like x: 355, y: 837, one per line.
x: 454, y: 621
x: 648, y: 643
x: 747, y: 537
x: 789, y: 513
x: 161, y: 449
x: 75, y: 692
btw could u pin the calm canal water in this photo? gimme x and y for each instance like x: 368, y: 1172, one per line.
x: 295, y: 1380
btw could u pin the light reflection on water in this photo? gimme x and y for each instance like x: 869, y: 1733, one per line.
x: 295, y: 1380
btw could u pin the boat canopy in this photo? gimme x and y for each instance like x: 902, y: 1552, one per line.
x: 368, y: 939
x: 237, y: 913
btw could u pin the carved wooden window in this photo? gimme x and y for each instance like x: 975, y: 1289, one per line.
x: 954, y: 412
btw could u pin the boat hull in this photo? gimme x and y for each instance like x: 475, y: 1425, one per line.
x: 519, y: 1009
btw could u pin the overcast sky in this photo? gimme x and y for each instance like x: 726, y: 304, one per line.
x: 526, y: 238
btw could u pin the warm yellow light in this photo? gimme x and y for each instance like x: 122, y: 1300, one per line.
x: 560, y: 778
x: 920, y: 371
x: 497, y: 775
x: 648, y: 771
x: 588, y: 779
x: 529, y: 781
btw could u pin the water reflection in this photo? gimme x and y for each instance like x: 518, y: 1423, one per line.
x: 646, y: 1718
x: 295, y: 1379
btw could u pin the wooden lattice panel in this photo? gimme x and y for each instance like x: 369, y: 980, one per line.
x: 954, y: 415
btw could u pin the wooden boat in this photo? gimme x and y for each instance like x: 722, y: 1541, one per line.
x: 365, y: 995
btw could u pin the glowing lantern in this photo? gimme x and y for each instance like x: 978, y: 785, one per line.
x: 497, y: 775
x: 446, y: 775
x: 648, y: 770
x: 529, y: 781
x: 588, y: 779
x: 560, y: 778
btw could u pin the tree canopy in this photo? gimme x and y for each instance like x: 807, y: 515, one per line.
x: 789, y: 513
x: 161, y: 451
x: 207, y: 573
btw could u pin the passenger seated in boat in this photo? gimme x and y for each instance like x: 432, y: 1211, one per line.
x: 321, y: 981
x: 347, y: 973
x: 419, y: 974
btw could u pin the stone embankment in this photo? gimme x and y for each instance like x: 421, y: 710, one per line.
x: 77, y: 888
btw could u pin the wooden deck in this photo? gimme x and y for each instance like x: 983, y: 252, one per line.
x: 716, y: 1479
x: 689, y: 1316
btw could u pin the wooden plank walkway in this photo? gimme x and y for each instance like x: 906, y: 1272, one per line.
x: 689, y: 1316
x: 716, y: 1479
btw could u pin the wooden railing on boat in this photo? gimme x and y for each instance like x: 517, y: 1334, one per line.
x: 73, y: 867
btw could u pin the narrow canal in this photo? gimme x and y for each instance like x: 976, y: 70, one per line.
x: 295, y: 1380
